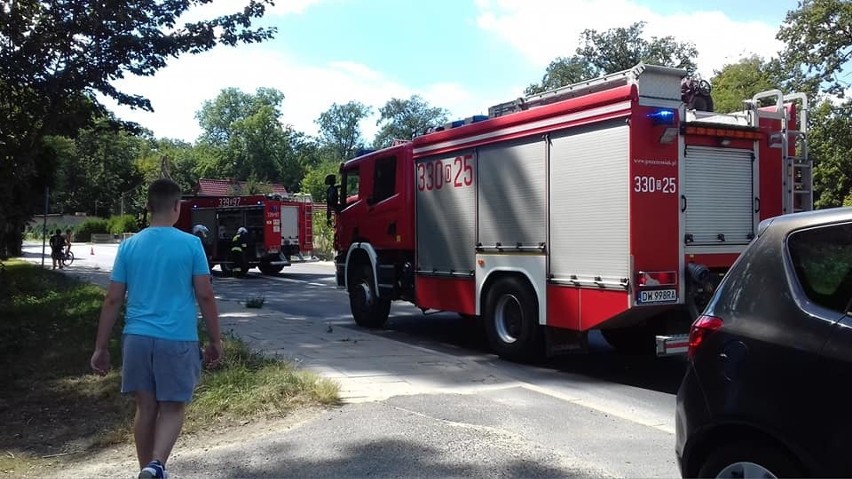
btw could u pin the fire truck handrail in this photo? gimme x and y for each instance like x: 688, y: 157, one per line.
x: 605, y: 82
x: 779, y: 103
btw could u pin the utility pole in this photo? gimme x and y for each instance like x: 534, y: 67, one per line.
x: 44, y: 225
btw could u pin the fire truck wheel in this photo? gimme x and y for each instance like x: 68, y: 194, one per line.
x: 269, y: 269
x: 511, y: 320
x: 368, y: 310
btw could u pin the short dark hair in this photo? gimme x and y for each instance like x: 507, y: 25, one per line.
x: 162, y: 195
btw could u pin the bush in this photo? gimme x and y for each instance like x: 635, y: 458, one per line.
x: 122, y: 224
x: 323, y: 238
x: 35, y: 231
x: 89, y: 227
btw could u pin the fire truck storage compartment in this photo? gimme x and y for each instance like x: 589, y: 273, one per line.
x: 446, y: 220
x: 290, y: 223
x: 718, y: 194
x: 233, y: 219
x: 511, y: 194
x: 589, y: 205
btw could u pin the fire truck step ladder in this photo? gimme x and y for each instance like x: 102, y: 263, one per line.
x: 672, y: 345
x: 798, y: 168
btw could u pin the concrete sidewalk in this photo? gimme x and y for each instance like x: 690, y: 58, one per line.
x: 368, y: 367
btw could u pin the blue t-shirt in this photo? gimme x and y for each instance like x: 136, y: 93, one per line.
x: 157, y: 265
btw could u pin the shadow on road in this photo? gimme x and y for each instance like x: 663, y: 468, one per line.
x: 387, y: 458
x: 456, y: 335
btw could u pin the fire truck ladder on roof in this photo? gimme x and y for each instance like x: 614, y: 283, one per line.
x: 798, y: 167
x: 606, y: 82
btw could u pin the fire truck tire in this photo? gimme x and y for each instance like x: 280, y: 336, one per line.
x: 368, y: 310
x: 511, y: 321
x: 269, y: 269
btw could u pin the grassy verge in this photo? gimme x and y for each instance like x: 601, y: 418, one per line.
x: 51, y: 407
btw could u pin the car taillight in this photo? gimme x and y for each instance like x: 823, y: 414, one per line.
x: 701, y: 328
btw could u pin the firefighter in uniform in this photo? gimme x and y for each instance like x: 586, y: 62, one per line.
x: 239, y: 251
x: 202, y: 231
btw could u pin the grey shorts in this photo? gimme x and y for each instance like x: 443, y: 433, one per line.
x: 169, y: 369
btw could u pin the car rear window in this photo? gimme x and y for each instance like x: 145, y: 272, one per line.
x: 822, y: 259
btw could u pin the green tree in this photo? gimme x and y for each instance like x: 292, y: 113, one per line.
x: 314, y: 180
x: 245, y: 134
x: 830, y: 141
x: 818, y: 44
x: 99, y: 171
x: 56, y: 56
x: 739, y: 81
x: 614, y: 50
x: 339, y: 128
x: 404, y: 118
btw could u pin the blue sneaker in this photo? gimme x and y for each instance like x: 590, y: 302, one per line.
x: 154, y: 470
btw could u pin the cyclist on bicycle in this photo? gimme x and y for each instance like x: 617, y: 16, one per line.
x: 67, y: 241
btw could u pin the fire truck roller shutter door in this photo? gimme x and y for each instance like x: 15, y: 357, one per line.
x: 589, y: 205
x: 511, y: 194
x: 446, y: 213
x: 719, y: 190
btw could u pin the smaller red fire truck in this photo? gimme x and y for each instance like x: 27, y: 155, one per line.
x: 278, y: 228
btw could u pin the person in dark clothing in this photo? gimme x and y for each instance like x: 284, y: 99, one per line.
x: 57, y: 248
x: 240, y: 251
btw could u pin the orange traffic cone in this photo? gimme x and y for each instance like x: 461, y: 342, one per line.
x: 92, y: 250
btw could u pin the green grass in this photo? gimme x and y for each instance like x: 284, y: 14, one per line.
x: 50, y: 403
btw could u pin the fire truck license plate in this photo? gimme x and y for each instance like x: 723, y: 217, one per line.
x: 658, y: 296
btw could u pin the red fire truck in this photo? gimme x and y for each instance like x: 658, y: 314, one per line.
x: 613, y: 204
x: 278, y: 228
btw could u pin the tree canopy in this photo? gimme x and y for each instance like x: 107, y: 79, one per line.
x: 740, y: 81
x: 56, y: 55
x: 818, y: 45
x: 339, y: 128
x: 402, y: 119
x: 614, y: 50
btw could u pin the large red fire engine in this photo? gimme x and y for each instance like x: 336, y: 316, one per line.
x: 613, y: 204
x: 278, y: 228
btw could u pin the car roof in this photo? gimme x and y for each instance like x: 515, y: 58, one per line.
x: 784, y: 224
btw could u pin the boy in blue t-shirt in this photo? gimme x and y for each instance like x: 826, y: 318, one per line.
x: 164, y: 273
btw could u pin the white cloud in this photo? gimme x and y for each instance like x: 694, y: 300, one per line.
x: 178, y: 91
x: 542, y: 30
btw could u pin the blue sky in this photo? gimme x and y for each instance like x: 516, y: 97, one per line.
x: 463, y: 55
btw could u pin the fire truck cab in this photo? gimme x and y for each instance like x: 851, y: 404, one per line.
x: 613, y: 204
x: 278, y: 229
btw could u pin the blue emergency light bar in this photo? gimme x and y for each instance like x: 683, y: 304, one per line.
x: 662, y: 117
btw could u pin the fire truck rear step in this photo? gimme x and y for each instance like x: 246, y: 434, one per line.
x: 672, y: 345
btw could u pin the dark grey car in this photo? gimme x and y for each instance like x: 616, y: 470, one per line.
x: 768, y: 391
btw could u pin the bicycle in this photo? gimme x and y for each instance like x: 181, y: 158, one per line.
x: 67, y: 258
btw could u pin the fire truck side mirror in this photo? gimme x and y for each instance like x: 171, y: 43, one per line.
x: 332, y: 202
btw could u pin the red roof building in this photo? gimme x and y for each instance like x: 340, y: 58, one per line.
x: 208, y: 187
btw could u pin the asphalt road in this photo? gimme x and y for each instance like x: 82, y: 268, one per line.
x: 593, y: 415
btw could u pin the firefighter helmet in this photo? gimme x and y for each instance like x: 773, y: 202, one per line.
x: 200, y: 229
